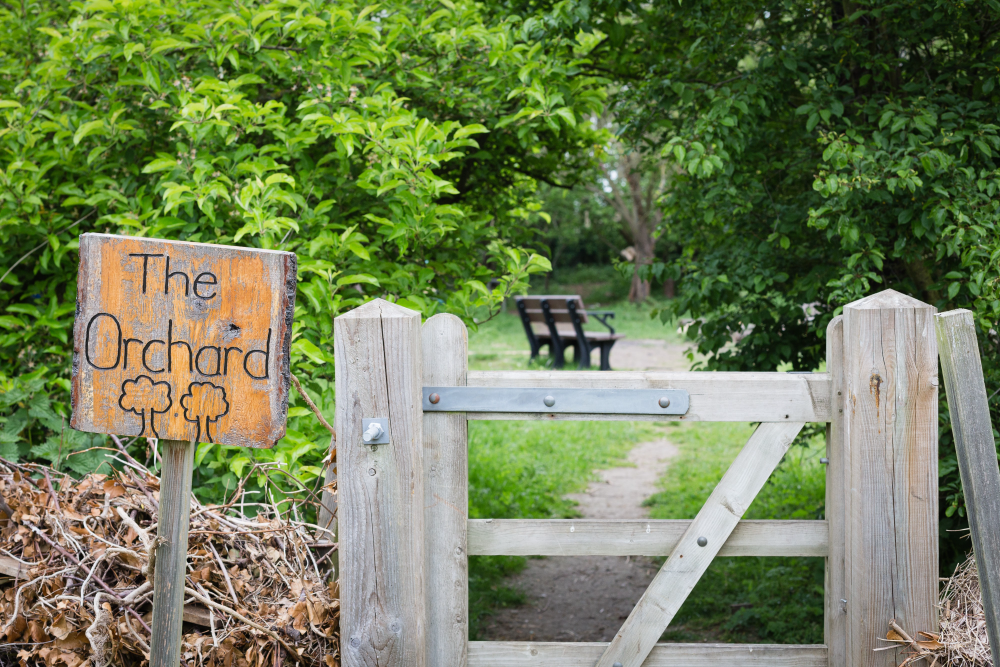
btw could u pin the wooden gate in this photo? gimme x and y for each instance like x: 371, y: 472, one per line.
x: 405, y: 535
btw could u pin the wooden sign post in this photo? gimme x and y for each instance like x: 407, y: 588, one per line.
x: 188, y: 343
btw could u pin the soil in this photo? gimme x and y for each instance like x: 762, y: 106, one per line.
x: 648, y: 354
x: 586, y: 598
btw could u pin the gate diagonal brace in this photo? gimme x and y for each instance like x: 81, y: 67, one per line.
x: 555, y: 400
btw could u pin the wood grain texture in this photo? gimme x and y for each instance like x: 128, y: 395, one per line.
x: 446, y: 496
x: 586, y: 654
x: 379, y: 373
x: 890, y: 439
x: 688, y: 561
x: 182, y: 341
x: 968, y: 406
x: 171, y: 556
x: 835, y: 611
x: 11, y: 568
x: 616, y: 537
x: 774, y: 397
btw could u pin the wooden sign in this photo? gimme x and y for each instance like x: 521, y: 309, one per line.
x: 182, y: 341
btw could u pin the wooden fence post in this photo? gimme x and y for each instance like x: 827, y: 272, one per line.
x: 171, y: 554
x: 446, y: 493
x: 378, y: 375
x: 969, y: 408
x: 890, y: 442
x: 835, y: 613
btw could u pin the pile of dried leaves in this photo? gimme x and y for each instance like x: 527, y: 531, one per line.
x: 962, y: 641
x: 76, y: 584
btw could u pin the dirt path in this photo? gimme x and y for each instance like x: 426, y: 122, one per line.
x: 586, y: 598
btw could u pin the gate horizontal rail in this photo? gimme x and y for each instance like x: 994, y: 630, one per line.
x: 620, y: 537
x: 581, y: 654
x: 719, y: 397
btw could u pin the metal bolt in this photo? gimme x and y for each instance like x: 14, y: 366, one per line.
x: 664, y: 402
x: 702, y: 542
x: 824, y: 460
x: 434, y: 398
x: 374, y: 432
x: 549, y: 401
x: 371, y: 471
x: 355, y: 642
x: 617, y: 664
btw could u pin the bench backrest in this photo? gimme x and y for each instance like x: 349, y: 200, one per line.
x: 558, y: 308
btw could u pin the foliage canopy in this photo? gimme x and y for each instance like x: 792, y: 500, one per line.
x: 821, y: 152
x: 392, y: 147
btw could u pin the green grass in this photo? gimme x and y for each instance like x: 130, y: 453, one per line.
x: 747, y: 599
x: 523, y: 470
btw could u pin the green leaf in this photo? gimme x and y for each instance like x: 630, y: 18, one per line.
x: 280, y: 178
x: 132, y: 49
x: 467, y: 130
x: 159, y: 164
x: 358, y: 278
x: 87, y: 129
x: 7, y: 104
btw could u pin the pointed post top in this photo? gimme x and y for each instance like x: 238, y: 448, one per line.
x: 379, y: 309
x: 889, y: 298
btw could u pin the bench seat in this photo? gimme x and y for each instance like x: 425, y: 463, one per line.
x: 557, y: 322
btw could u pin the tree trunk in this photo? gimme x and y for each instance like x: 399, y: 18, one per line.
x: 669, y: 288
x: 644, y: 248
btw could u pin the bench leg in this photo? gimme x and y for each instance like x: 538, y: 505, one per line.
x: 558, y: 354
x: 583, y: 359
x: 606, y: 355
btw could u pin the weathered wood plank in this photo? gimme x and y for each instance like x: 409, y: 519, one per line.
x: 586, y: 654
x: 378, y: 355
x: 700, y: 544
x: 968, y: 406
x: 890, y: 436
x: 182, y: 341
x: 171, y: 554
x: 774, y: 397
x: 11, y: 568
x: 615, y: 537
x: 835, y: 611
x: 446, y: 496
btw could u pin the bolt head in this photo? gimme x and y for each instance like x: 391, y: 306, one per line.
x: 702, y: 542
x: 434, y: 398
x: 617, y: 664
x: 664, y: 402
x: 824, y: 460
x: 549, y: 401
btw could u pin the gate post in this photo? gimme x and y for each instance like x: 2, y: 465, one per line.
x: 446, y: 493
x: 835, y: 611
x: 890, y: 430
x: 380, y: 487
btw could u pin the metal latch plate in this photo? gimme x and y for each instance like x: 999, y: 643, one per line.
x: 556, y: 400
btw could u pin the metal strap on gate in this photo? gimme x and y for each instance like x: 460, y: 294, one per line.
x: 553, y: 400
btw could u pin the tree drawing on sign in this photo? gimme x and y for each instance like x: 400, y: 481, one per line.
x: 142, y: 394
x: 204, y: 402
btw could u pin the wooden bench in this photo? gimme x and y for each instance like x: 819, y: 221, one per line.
x: 557, y: 321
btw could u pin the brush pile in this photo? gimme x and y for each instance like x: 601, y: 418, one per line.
x: 76, y: 577
x: 962, y: 641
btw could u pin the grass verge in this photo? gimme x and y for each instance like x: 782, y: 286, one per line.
x: 747, y: 599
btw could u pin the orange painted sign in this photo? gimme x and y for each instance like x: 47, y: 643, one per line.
x: 182, y: 340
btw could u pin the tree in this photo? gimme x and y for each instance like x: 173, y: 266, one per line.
x: 823, y: 151
x: 393, y: 148
x: 631, y: 184
x: 142, y: 394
